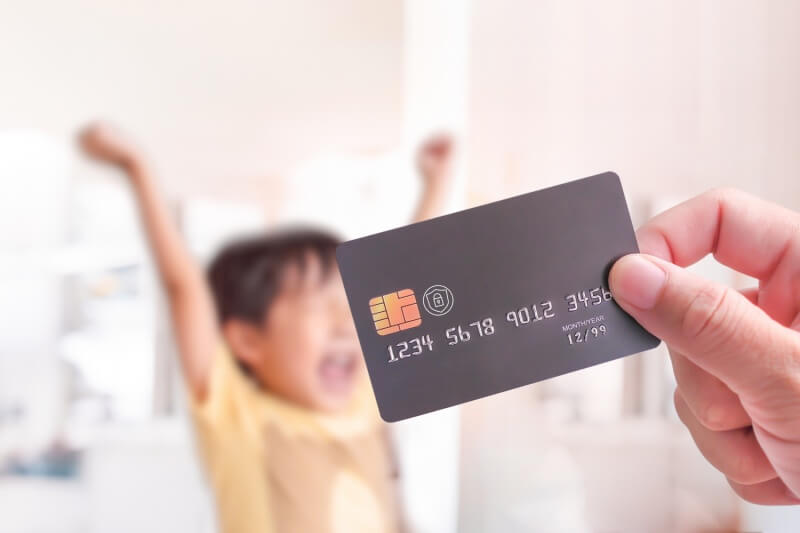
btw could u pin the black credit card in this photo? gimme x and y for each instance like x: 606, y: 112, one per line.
x: 492, y: 298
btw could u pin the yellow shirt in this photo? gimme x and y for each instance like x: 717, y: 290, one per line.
x: 278, y: 468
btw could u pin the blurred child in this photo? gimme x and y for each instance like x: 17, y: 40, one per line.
x: 286, y: 424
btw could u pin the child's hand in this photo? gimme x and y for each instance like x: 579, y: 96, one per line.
x: 108, y: 144
x: 434, y: 160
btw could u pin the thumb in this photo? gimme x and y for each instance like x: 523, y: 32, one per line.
x: 713, y: 325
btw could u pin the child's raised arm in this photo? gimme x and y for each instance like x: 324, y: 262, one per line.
x: 434, y: 163
x: 190, y: 302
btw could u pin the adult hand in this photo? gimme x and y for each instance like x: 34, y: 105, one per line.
x: 736, y: 355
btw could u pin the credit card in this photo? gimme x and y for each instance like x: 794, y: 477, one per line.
x: 492, y: 298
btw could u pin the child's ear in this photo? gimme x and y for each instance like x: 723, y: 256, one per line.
x: 244, y: 339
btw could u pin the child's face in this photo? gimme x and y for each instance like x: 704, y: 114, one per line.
x: 308, y: 351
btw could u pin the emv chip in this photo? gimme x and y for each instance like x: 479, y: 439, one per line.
x: 395, y: 312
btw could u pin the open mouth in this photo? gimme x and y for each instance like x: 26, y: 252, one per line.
x: 338, y: 370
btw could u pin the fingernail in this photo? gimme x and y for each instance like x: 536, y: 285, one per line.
x: 637, y: 281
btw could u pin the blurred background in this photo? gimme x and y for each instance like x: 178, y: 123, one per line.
x: 258, y: 113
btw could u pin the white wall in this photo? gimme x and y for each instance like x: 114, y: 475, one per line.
x: 225, y: 95
x: 676, y: 96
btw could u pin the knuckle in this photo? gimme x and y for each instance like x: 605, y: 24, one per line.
x: 740, y: 491
x: 779, y: 361
x: 712, y: 416
x: 680, y: 406
x: 744, y: 470
x: 785, y: 363
x: 709, y: 315
x: 718, y: 194
x: 676, y: 401
x: 794, y: 359
x: 787, y: 377
x: 724, y: 194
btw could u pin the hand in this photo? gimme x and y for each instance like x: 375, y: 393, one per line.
x: 108, y: 144
x: 736, y: 355
x: 434, y: 160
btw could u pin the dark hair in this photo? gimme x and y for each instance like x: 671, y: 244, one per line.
x: 245, y: 275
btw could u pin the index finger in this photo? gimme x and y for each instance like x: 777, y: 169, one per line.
x: 743, y: 232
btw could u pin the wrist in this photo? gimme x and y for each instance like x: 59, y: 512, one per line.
x: 435, y: 187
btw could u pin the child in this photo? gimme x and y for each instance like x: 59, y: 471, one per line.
x: 286, y: 424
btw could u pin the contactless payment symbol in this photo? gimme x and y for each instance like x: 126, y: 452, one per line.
x: 395, y: 312
x: 437, y: 300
